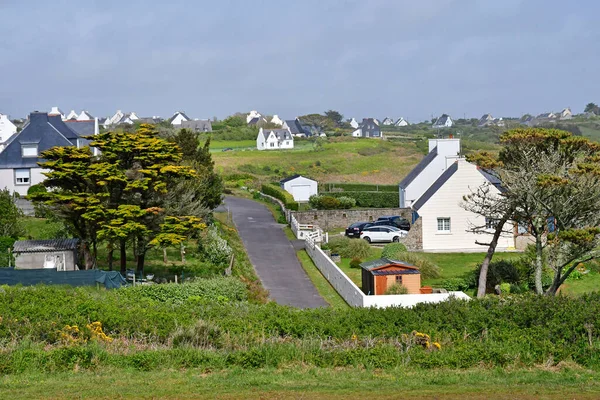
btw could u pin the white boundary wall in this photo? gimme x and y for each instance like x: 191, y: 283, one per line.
x: 356, y: 298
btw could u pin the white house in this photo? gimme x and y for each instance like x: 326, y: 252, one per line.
x: 276, y: 120
x: 445, y: 121
x: 300, y: 187
x: 274, y: 139
x: 18, y: 162
x: 178, y: 118
x: 7, y: 129
x: 369, y: 128
x: 442, y: 154
x: 445, y: 224
x: 72, y: 115
x: 387, y: 121
x: 354, y: 123
x: 85, y: 116
x: 57, y: 111
x: 251, y: 115
x: 401, y: 122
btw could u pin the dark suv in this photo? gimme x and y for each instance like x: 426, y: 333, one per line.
x: 354, y: 230
x: 393, y: 220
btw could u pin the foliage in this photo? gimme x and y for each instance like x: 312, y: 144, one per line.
x: 202, y: 334
x: 280, y: 194
x: 346, y: 202
x: 356, y: 187
x: 9, y: 215
x: 338, y: 244
x: 592, y: 108
x: 393, y: 251
x: 40, y: 209
x: 335, y: 117
x: 356, y: 249
x: 370, y: 199
x: 355, y: 263
x: 503, y: 271
x: 214, y: 248
x: 397, y: 288
x: 455, y: 284
x: 322, y: 202
x: 427, y: 268
x: 6, y: 256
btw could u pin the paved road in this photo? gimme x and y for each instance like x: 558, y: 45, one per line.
x: 273, y: 255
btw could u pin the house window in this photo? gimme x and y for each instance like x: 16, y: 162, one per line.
x: 399, y: 279
x: 443, y: 225
x: 22, y: 176
x: 29, y: 150
x: 272, y: 144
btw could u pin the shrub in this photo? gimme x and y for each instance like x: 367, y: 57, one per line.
x: 393, y: 250
x: 202, y: 334
x: 346, y: 202
x: 324, y: 202
x: 455, y: 284
x: 355, y: 263
x: 6, y: 257
x: 356, y: 187
x: 428, y: 269
x: 397, y: 288
x: 502, y: 271
x: 280, y: 194
x: 370, y: 199
x: 357, y: 249
x: 214, y: 248
x: 339, y: 244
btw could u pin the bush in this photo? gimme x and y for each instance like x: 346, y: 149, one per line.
x: 214, y: 248
x: 6, y: 257
x: 393, y: 251
x: 279, y: 193
x: 346, y: 202
x: 357, y: 249
x: 339, y: 244
x: 502, y: 271
x: 371, y: 199
x: 397, y: 288
x: 202, y: 334
x: 355, y: 263
x: 455, y: 284
x: 324, y: 202
x: 356, y: 187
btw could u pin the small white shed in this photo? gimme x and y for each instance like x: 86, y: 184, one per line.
x: 299, y: 187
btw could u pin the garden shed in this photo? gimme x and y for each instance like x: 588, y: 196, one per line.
x: 58, y: 254
x: 379, y: 275
x: 300, y: 187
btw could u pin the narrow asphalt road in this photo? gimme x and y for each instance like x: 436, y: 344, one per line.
x: 272, y: 255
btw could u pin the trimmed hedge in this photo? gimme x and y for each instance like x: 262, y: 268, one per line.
x: 356, y: 187
x: 371, y: 199
x: 279, y: 193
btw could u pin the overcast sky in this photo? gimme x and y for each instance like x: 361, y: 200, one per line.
x: 364, y: 58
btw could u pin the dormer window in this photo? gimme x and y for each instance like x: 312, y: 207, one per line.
x: 29, y: 150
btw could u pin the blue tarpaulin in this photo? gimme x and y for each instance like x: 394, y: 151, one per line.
x: 27, y: 277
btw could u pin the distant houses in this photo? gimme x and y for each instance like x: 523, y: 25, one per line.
x: 401, y: 122
x: 369, y: 128
x: 548, y: 117
x: 488, y: 120
x: 387, y: 121
x: 178, y: 118
x: 296, y: 128
x: 198, y: 125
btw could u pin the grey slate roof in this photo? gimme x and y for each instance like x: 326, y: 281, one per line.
x: 419, y: 168
x: 297, y: 128
x: 82, y: 128
x: 370, y: 128
x: 43, y: 130
x: 198, y: 126
x: 40, y: 246
x: 369, y: 265
x: 281, y: 134
x: 436, y: 186
x: 441, y: 121
x: 175, y: 116
x: 387, y: 121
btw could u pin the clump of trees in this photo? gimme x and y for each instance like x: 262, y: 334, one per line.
x: 142, y: 191
x: 550, y: 186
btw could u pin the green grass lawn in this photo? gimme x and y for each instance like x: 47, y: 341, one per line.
x: 298, y: 382
x: 325, y: 289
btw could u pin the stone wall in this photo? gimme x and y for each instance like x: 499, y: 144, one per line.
x: 341, y: 219
x: 414, y: 240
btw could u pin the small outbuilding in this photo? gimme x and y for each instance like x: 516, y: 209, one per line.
x: 379, y: 275
x: 58, y: 254
x: 300, y: 187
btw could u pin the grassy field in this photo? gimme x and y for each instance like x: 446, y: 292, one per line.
x: 339, y: 160
x: 323, y: 287
x: 297, y: 382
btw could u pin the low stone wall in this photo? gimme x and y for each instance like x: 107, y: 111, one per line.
x: 414, y: 240
x: 340, y: 219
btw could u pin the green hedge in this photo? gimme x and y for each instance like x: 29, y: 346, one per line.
x: 371, y: 199
x: 279, y: 193
x: 356, y: 187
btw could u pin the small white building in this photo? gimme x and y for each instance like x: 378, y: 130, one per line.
x: 252, y: 115
x: 401, y: 122
x: 445, y: 121
x: 300, y: 187
x: 442, y: 154
x: 445, y: 223
x: 276, y: 120
x: 7, y: 129
x: 85, y: 116
x: 274, y: 139
x: 71, y: 115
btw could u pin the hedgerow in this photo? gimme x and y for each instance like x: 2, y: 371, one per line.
x: 371, y: 199
x: 279, y: 193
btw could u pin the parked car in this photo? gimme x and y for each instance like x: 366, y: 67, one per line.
x: 227, y: 149
x: 394, y: 220
x: 374, y: 234
x: 354, y: 230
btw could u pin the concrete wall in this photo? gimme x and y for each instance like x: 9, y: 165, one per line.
x: 36, y: 260
x: 341, y: 219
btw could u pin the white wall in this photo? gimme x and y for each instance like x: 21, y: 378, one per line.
x: 178, y: 120
x: 7, y: 128
x: 301, y: 181
x: 7, y: 180
x: 445, y: 203
x: 447, y: 150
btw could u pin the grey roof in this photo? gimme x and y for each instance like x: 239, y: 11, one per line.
x: 198, y: 126
x: 253, y: 121
x: 297, y: 128
x: 82, y: 128
x: 370, y: 128
x: 387, y: 121
x: 175, y: 116
x: 291, y: 178
x: 419, y: 168
x: 380, y: 262
x: 436, y: 186
x: 43, y: 130
x: 40, y: 246
x: 281, y: 134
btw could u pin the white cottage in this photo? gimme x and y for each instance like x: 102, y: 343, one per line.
x: 274, y: 139
x: 300, y: 187
x: 7, y: 129
x: 442, y: 154
x: 178, y: 118
x: 445, y: 224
